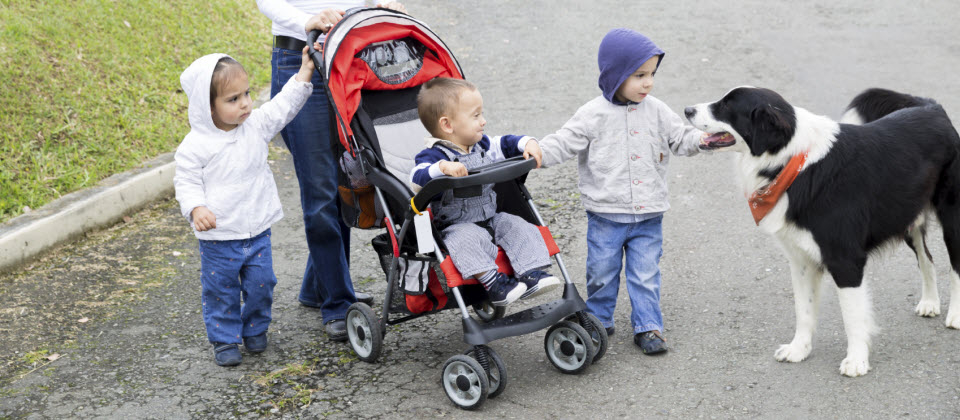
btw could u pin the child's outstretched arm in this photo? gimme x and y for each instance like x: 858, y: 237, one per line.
x: 684, y: 139
x: 572, y: 139
x: 272, y: 116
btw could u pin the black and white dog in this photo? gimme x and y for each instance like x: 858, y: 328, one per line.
x: 875, y: 178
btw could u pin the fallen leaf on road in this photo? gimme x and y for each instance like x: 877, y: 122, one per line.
x: 83, y: 320
x: 177, y: 253
x: 53, y: 357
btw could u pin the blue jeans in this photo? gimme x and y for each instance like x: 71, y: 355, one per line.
x: 326, y: 279
x: 232, y: 272
x: 642, y: 242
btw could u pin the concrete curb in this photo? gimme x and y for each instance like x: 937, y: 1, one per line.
x: 27, y: 236
x: 74, y: 214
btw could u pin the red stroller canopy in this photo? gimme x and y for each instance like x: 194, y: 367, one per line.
x: 347, y: 74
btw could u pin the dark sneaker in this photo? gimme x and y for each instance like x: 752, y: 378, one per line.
x: 227, y: 354
x: 255, y: 344
x: 336, y: 330
x: 538, y: 282
x: 505, y: 290
x: 610, y: 331
x: 651, y: 342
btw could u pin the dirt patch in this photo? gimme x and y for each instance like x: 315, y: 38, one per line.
x: 46, y: 306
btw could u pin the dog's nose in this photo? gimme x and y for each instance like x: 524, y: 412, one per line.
x: 689, y: 112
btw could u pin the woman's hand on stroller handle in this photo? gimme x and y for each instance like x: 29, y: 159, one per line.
x: 323, y: 21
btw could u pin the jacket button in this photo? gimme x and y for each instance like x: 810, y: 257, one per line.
x: 634, y: 157
x: 637, y: 207
x: 636, y: 182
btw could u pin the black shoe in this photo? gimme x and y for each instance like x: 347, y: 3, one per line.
x: 226, y: 354
x: 610, y: 331
x: 364, y: 298
x: 504, y: 290
x: 650, y: 342
x: 336, y: 330
x: 255, y: 344
x: 538, y: 282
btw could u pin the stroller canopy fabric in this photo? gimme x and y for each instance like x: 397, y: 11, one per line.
x: 380, y: 49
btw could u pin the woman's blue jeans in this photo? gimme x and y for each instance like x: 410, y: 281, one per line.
x: 326, y: 279
x: 237, y: 283
x: 641, y: 243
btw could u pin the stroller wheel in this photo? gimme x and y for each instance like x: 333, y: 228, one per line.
x: 594, y: 327
x: 363, y: 332
x: 569, y: 347
x: 487, y: 312
x: 496, y: 373
x: 465, y: 382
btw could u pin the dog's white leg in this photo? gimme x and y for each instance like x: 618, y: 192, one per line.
x: 929, y: 297
x: 806, y: 279
x: 953, y: 313
x: 859, y: 325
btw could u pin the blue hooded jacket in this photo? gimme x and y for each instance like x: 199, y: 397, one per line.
x: 622, y: 52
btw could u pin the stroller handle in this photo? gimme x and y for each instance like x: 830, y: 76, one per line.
x: 316, y: 56
x: 501, y: 171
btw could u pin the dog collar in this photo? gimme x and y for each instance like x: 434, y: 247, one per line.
x: 764, y: 199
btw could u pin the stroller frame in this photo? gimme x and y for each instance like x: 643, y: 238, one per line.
x: 575, y: 339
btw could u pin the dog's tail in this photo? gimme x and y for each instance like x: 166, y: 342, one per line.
x: 876, y: 103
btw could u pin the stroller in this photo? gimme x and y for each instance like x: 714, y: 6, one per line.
x: 373, y: 64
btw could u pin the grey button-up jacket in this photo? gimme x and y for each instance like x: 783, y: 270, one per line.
x: 623, y: 152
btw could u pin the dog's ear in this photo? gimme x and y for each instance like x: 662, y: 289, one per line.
x: 772, y: 129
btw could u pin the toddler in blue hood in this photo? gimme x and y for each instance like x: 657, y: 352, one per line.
x: 623, y: 140
x: 226, y: 191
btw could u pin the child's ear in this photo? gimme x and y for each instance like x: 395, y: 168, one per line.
x: 445, y: 125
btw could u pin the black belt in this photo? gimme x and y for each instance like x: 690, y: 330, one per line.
x: 288, y: 43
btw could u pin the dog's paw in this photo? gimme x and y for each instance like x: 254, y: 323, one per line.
x: 792, y: 352
x: 854, y: 367
x: 953, y: 320
x: 928, y: 308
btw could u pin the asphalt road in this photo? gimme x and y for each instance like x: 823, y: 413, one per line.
x: 726, y: 296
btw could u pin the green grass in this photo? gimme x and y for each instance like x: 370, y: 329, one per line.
x: 90, y: 88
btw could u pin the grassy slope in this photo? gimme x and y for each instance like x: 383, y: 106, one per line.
x: 89, y: 88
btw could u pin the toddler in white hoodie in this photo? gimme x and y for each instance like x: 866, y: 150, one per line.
x: 226, y: 191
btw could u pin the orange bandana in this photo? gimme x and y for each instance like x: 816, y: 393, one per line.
x: 763, y: 200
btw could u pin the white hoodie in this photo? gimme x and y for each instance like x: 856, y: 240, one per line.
x: 227, y: 171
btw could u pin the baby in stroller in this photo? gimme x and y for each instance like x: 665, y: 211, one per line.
x: 452, y: 112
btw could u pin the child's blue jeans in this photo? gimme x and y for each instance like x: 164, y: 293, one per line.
x: 231, y: 272
x: 642, y: 242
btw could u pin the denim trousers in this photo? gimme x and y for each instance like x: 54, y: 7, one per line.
x: 237, y: 283
x: 641, y: 243
x: 326, y: 279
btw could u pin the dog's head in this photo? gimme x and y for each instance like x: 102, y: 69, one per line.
x: 758, y: 118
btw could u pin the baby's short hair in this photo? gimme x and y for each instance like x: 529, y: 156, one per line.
x: 437, y: 98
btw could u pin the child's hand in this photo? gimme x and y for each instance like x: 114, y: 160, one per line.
x: 203, y: 219
x: 306, y: 65
x: 532, y: 148
x: 452, y: 168
x: 324, y: 20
